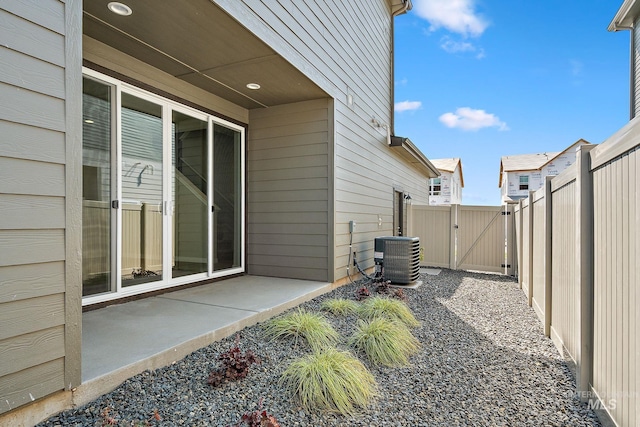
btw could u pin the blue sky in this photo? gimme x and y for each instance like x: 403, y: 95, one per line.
x: 481, y: 79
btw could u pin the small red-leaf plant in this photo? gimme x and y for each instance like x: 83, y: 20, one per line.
x: 399, y: 294
x: 235, y: 365
x: 108, y: 420
x: 362, y: 293
x: 258, y: 418
x: 384, y: 287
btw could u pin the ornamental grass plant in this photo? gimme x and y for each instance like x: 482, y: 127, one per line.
x: 340, y: 306
x: 394, y: 309
x: 384, y: 341
x: 331, y: 380
x: 314, y: 328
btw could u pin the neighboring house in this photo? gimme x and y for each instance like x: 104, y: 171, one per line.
x: 522, y: 173
x: 180, y: 143
x: 628, y: 18
x: 447, y: 188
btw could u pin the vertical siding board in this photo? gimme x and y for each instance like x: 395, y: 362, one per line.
x: 73, y: 191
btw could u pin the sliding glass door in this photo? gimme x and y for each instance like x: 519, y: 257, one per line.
x: 163, y: 190
x: 189, y: 193
x: 141, y: 199
x: 227, y: 196
x: 97, y: 190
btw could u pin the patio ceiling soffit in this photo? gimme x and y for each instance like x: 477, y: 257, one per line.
x: 198, y: 42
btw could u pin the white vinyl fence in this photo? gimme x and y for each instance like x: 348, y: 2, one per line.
x: 579, y: 253
x: 466, y: 237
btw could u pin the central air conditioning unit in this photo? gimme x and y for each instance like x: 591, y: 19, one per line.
x: 397, y: 258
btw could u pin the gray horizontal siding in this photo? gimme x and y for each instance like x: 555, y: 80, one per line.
x: 345, y: 48
x: 20, y: 282
x: 28, y: 385
x: 340, y: 45
x: 23, y: 35
x: 31, y: 212
x: 39, y: 196
x: 288, y: 191
x: 27, y: 142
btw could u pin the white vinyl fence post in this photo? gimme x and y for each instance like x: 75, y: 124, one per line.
x: 584, y: 252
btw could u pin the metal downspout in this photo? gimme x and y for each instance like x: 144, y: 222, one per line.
x: 632, y: 76
x: 632, y: 69
x: 406, y: 6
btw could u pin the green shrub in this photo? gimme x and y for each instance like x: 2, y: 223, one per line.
x: 330, y: 380
x: 384, y: 341
x: 340, y: 306
x: 386, y: 307
x: 313, y: 327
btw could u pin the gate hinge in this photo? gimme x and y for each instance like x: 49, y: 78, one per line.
x: 503, y: 265
x: 506, y: 213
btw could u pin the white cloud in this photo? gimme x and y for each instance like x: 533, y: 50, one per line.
x: 458, y: 16
x: 453, y: 46
x: 402, y: 82
x: 407, y: 106
x: 466, y: 118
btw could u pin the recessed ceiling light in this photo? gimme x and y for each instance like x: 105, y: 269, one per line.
x: 253, y: 86
x: 119, y: 8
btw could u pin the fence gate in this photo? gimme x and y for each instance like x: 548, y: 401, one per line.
x: 484, y: 239
x: 466, y: 237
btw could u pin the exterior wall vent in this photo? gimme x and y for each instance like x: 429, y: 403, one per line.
x: 397, y: 258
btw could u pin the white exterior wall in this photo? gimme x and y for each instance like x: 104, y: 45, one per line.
x: 451, y: 190
x: 511, y: 188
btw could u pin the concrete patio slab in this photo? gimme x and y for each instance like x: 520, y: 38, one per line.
x: 122, y: 340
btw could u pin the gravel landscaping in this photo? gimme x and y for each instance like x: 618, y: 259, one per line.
x: 484, y: 362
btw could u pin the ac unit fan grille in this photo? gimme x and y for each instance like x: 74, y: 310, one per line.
x: 400, y: 258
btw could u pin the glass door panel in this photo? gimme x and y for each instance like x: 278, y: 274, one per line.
x: 97, y: 110
x: 189, y: 194
x: 142, y: 191
x: 227, y: 197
